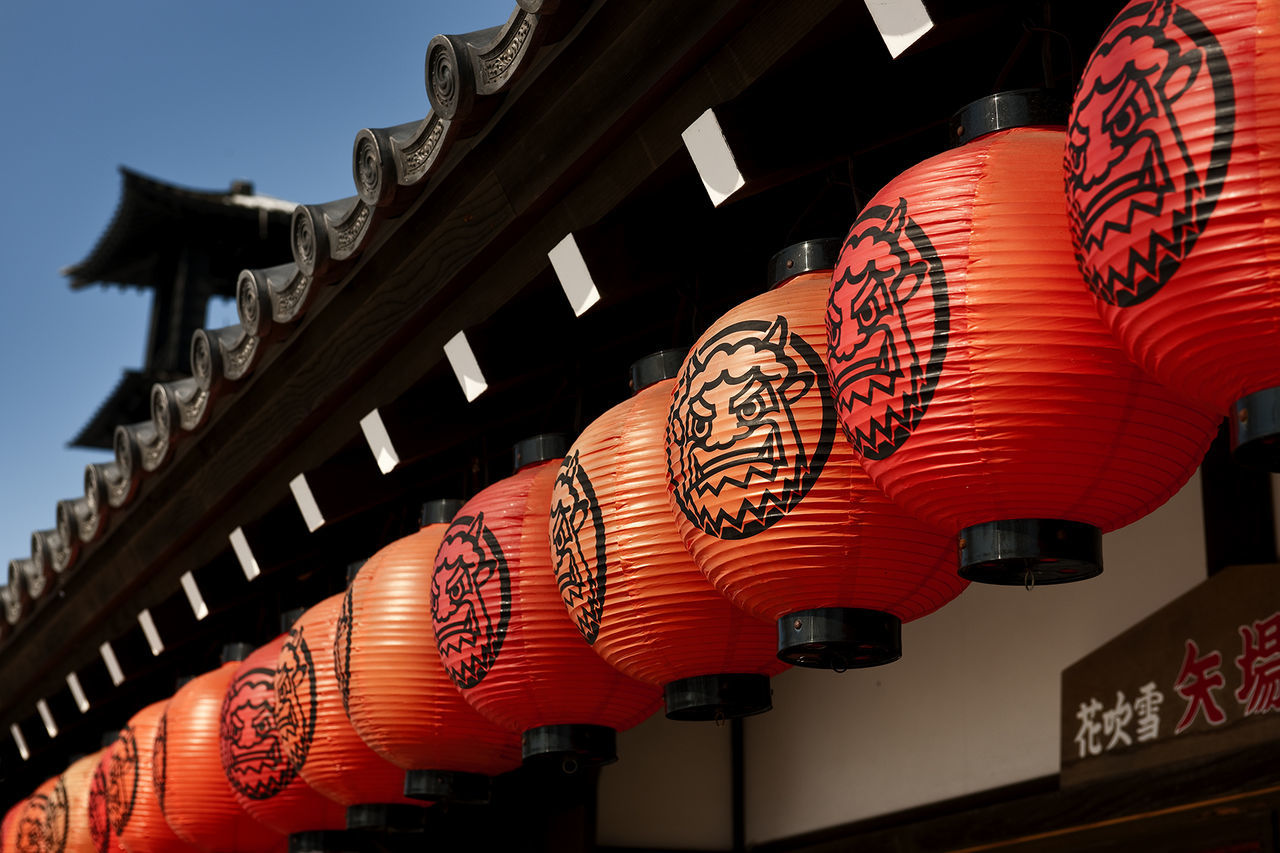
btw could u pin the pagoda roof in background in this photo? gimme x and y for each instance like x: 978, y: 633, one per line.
x: 235, y: 229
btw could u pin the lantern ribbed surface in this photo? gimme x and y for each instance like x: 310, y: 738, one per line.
x: 104, y: 834
x: 773, y: 505
x: 313, y: 725
x: 630, y: 585
x: 256, y: 762
x: 9, y: 827
x: 1173, y: 182
x: 197, y: 799
x: 501, y: 628
x: 131, y: 806
x: 42, y: 820
x: 401, y: 701
x: 78, y: 779
x: 971, y: 371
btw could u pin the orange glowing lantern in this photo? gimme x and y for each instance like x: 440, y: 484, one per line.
x: 776, y: 510
x: 316, y: 734
x: 629, y: 583
x: 399, y: 697
x: 502, y: 630
x: 125, y: 807
x: 78, y: 779
x: 255, y: 761
x: 9, y: 827
x: 972, y: 372
x: 198, y: 801
x: 42, y: 822
x: 1173, y: 186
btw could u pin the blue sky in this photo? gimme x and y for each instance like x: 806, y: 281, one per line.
x: 197, y: 94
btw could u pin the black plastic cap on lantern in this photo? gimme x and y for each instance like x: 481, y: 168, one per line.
x: 800, y: 258
x: 326, y: 841
x: 1030, y: 551
x: 353, y: 569
x: 655, y: 367
x: 288, y: 617
x: 539, y: 448
x: 839, y: 638
x: 1004, y: 110
x: 235, y: 652
x: 386, y: 817
x: 439, y: 511
x: 572, y: 745
x: 718, y: 697
x: 448, y: 786
x: 1255, y: 430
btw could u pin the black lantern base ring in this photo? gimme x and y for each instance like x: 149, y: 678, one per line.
x: 1255, y: 430
x: 386, y: 817
x: 718, y: 697
x: 1030, y: 551
x: 326, y: 841
x: 839, y: 638
x: 447, y: 786
x: 572, y: 745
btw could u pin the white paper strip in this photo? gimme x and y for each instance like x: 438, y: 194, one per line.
x: 465, y: 367
x: 47, y: 718
x: 575, y: 279
x: 713, y: 158
x: 198, y: 608
x: 149, y: 629
x: 375, y: 432
x: 306, y: 503
x: 901, y: 22
x: 248, y: 564
x: 19, y: 740
x: 77, y: 693
x: 113, y: 665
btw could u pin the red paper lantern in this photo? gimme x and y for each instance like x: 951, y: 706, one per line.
x: 775, y: 509
x: 78, y: 780
x: 198, y: 801
x: 105, y: 837
x: 1173, y: 183
x: 125, y: 803
x: 973, y: 375
x: 254, y: 759
x: 502, y: 630
x: 399, y: 697
x: 9, y: 827
x: 631, y: 587
x: 42, y: 822
x: 316, y: 733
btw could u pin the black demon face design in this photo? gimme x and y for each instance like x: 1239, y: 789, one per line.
x: 1139, y: 191
x: 887, y: 329
x: 342, y: 649
x: 295, y: 699
x: 122, y: 779
x: 99, y: 822
x: 578, y: 546
x: 470, y: 599
x: 42, y: 825
x: 159, y: 755
x: 738, y: 459
x: 252, y: 756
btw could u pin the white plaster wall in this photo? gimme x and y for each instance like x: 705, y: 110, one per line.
x: 974, y: 702
x: 670, y: 787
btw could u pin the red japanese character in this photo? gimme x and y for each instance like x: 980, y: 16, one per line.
x: 1259, y: 664
x: 1197, y: 680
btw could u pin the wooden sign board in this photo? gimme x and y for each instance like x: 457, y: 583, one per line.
x: 1199, y: 676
